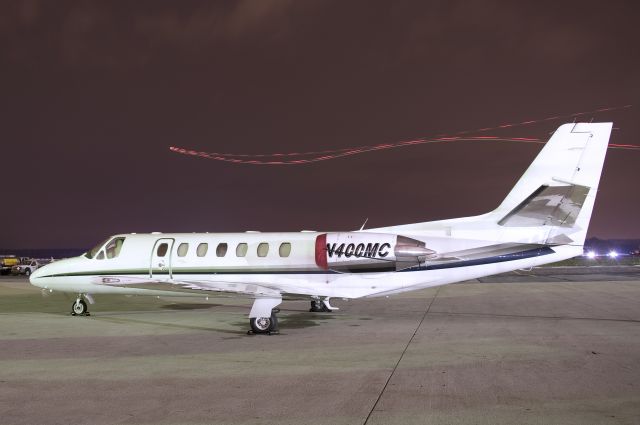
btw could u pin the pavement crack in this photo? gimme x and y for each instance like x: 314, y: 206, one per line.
x: 393, y: 371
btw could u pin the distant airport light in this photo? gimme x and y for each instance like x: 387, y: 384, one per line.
x: 613, y: 254
x: 591, y: 254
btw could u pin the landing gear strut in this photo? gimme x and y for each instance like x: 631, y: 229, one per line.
x: 79, y: 308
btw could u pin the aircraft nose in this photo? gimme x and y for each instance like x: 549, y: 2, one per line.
x: 38, y: 273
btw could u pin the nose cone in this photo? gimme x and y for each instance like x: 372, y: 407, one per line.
x: 36, y: 277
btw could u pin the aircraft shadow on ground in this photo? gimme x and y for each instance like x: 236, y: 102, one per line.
x: 303, y: 320
x: 190, y: 306
x: 295, y: 321
x: 239, y: 328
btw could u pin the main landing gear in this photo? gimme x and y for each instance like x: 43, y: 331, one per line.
x: 79, y: 308
x: 262, y: 318
x: 265, y: 325
x: 321, y: 306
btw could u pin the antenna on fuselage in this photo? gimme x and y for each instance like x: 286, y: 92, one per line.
x: 365, y: 222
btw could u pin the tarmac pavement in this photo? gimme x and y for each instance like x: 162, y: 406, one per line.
x: 525, y: 348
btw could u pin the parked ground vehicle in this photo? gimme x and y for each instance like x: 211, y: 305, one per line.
x: 7, y: 262
x: 29, y: 266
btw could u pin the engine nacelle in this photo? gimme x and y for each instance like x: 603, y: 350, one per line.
x: 353, y: 252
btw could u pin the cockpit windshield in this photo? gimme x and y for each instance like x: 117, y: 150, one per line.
x: 94, y: 251
x: 112, y: 249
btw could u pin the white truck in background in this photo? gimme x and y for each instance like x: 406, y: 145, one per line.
x: 29, y: 266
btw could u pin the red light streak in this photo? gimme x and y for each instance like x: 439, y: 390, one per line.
x: 327, y: 155
x: 324, y: 155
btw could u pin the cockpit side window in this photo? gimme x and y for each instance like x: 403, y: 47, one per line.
x: 113, y: 247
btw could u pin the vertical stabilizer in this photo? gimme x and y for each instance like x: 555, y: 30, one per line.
x: 559, y: 188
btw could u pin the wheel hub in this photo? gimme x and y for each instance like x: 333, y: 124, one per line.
x: 263, y: 323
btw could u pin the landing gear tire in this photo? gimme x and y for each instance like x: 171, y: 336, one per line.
x: 79, y: 308
x: 317, y: 306
x: 264, y: 325
x: 27, y: 272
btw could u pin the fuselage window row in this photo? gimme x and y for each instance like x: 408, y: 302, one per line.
x: 221, y: 250
x: 112, y: 249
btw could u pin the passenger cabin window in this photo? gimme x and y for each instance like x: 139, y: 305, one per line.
x: 113, y: 247
x: 162, y: 250
x: 263, y: 249
x: 202, y: 249
x: 241, y: 250
x: 285, y: 249
x: 183, y: 248
x: 221, y: 250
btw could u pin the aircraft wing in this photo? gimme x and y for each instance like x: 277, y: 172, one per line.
x: 205, y: 287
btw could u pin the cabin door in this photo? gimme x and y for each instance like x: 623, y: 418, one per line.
x: 160, y: 266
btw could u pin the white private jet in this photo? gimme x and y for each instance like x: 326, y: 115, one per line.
x: 542, y: 220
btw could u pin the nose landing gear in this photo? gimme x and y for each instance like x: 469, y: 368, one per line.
x: 79, y: 308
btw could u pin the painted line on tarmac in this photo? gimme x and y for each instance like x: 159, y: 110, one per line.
x: 402, y: 355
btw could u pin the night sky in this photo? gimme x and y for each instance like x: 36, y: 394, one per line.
x: 93, y: 94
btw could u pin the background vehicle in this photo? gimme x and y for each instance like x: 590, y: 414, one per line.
x: 29, y: 266
x: 7, y: 262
